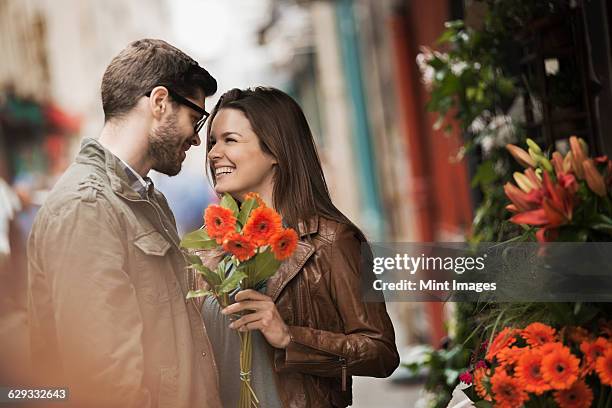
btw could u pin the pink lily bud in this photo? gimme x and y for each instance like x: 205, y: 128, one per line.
x: 567, y: 162
x: 534, y: 178
x: 557, y: 162
x: 523, y: 182
x: 521, y: 156
x: 593, y: 177
x: 578, y: 156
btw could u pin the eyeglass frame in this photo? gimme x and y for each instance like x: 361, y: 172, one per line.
x: 186, y: 102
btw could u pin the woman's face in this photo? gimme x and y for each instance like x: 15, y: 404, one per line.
x: 239, y: 163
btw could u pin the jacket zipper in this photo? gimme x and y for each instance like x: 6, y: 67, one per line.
x: 343, y: 362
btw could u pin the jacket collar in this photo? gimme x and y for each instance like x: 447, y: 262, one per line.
x: 92, y: 152
x: 308, y: 227
x: 292, y: 266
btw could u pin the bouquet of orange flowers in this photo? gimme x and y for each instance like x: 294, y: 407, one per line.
x: 256, y: 243
x: 538, y: 366
x: 565, y: 198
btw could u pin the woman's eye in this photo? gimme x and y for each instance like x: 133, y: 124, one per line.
x: 230, y: 139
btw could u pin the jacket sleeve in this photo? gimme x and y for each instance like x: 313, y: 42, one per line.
x: 98, y: 323
x: 367, y: 346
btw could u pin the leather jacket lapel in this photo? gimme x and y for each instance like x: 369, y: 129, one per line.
x: 288, y: 269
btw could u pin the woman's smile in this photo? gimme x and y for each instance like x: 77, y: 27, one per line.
x: 234, y: 145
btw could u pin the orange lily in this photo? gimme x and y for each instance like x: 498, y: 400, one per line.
x: 578, y: 156
x: 521, y: 155
x: 522, y: 201
x: 593, y: 177
x: 549, y: 207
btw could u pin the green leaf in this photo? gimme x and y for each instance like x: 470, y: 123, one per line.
x: 193, y: 259
x: 245, y: 210
x: 198, y: 293
x: 228, y: 202
x: 265, y: 265
x: 209, y: 276
x: 483, y: 404
x: 485, y: 174
x: 607, y: 228
x: 232, y: 282
x: 198, y: 240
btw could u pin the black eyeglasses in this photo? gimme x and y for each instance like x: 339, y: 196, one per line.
x: 186, y: 102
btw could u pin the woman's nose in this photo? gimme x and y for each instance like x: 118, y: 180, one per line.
x: 214, y: 152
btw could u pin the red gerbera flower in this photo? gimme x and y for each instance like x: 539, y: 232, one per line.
x: 579, y: 395
x: 256, y: 197
x: 219, y: 221
x: 481, y: 381
x: 284, y: 243
x: 239, y: 246
x: 507, y: 391
x: 603, y: 366
x: 537, y: 334
x: 262, y: 224
x: 592, y: 350
x: 504, y: 339
x: 509, y: 356
x: 560, y: 368
x: 528, y: 372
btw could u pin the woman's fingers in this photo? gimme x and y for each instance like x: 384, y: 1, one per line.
x: 250, y: 294
x: 245, y: 320
x: 247, y: 305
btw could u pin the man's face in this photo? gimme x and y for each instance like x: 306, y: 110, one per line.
x: 170, y: 140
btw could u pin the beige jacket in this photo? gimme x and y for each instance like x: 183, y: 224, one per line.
x: 106, y: 295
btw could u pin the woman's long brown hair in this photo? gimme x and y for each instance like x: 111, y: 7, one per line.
x: 300, y: 191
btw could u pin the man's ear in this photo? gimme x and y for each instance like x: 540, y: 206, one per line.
x: 158, y: 101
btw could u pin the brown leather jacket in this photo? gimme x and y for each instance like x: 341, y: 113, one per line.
x: 334, y: 334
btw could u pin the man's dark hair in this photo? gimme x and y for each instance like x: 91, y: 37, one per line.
x: 145, y: 64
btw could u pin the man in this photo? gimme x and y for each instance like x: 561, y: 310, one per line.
x: 107, y: 280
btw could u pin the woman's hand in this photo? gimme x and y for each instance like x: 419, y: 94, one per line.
x: 265, y: 317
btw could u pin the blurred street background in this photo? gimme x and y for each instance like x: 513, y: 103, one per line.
x: 351, y: 65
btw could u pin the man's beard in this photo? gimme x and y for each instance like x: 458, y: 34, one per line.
x: 165, y: 147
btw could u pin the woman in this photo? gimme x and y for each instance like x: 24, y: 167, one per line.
x: 311, y: 320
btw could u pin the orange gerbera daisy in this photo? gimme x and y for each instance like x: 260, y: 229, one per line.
x: 262, y: 224
x: 481, y: 381
x: 576, y: 334
x: 509, y: 356
x: 219, y: 221
x: 505, y: 338
x: 507, y: 391
x: 592, y: 350
x: 239, y: 246
x: 560, y: 368
x: 537, y: 334
x: 256, y: 197
x: 579, y: 395
x: 284, y: 243
x: 528, y: 372
x: 603, y: 366
x: 549, y: 348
